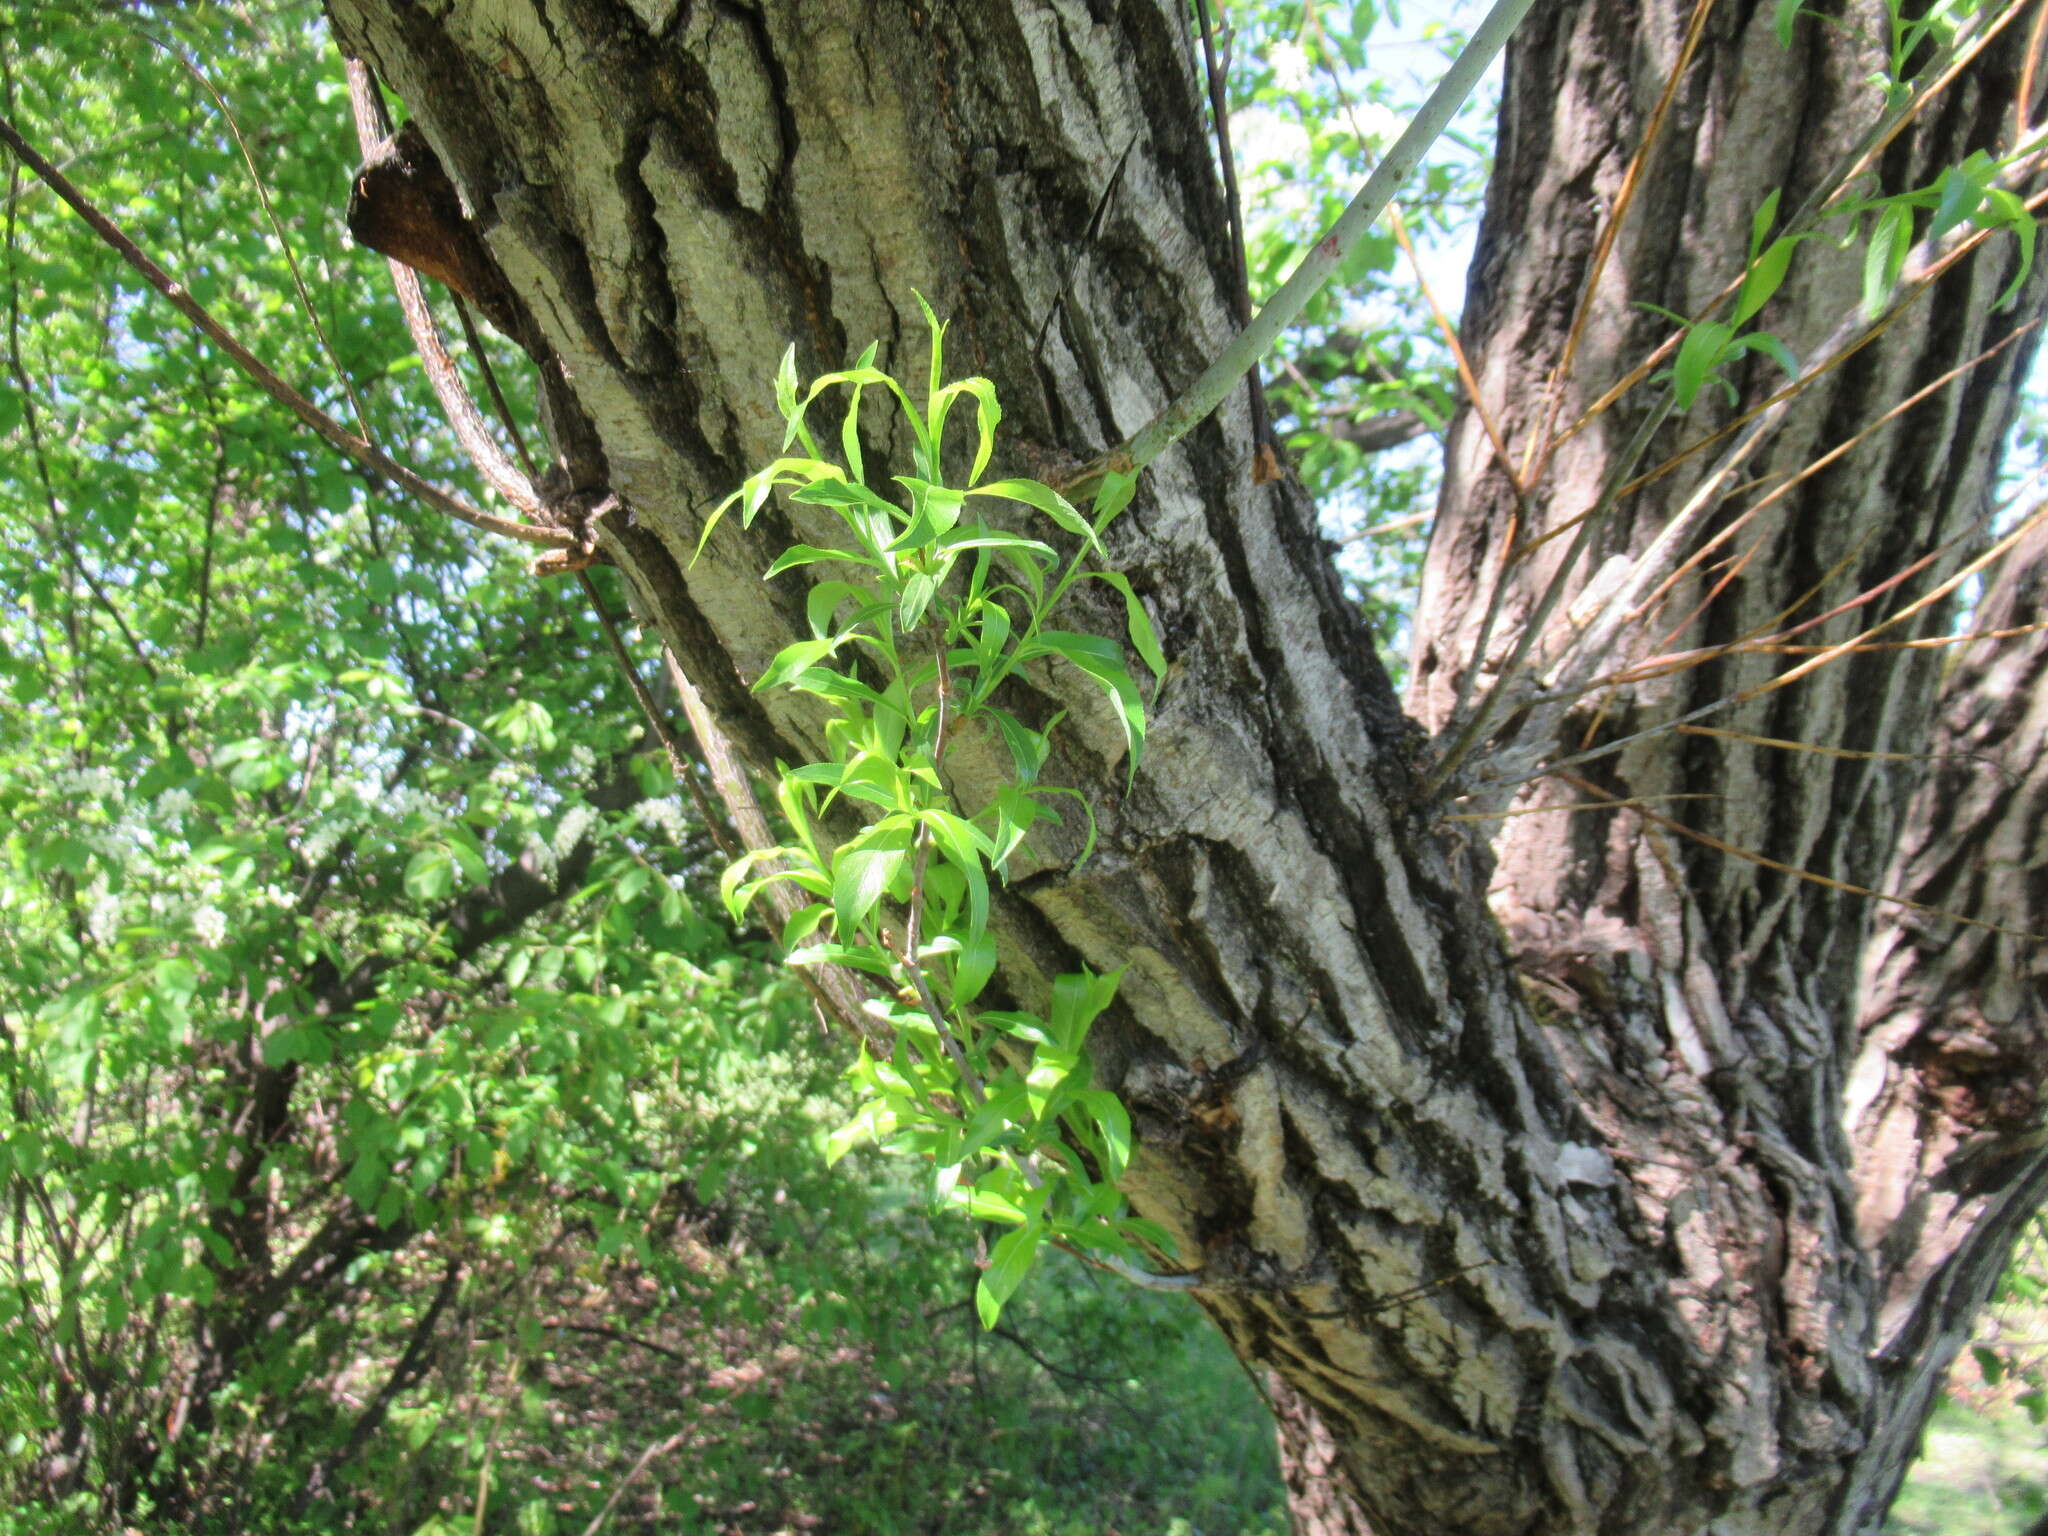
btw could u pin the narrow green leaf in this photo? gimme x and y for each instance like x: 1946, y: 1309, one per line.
x: 785, y: 391
x: 1103, y: 661
x: 1787, y: 13
x: 1138, y: 623
x: 1761, y: 221
x: 823, y: 602
x: 2003, y: 207
x: 981, y: 536
x: 1697, y: 355
x: 1771, y: 347
x: 1113, y: 1121
x: 973, y: 967
x: 966, y: 850
x: 1765, y: 276
x: 935, y: 512
x: 1043, y: 497
x: 863, y: 870
x: 986, y: 1204
x: 803, y: 923
x: 918, y: 593
x: 809, y: 554
x: 796, y: 657
x: 1890, y: 239
x: 1028, y: 748
x: 836, y: 491
x: 1004, y: 1105
x: 1078, y: 999
x: 1007, y: 1266
x: 1052, y: 1068
x: 849, y: 425
x: 872, y: 1122
x: 991, y: 636
x: 731, y: 882
x: 1956, y: 198
x: 1112, y: 496
x: 938, y: 330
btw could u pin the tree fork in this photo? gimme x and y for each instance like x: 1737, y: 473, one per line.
x: 1619, y: 1222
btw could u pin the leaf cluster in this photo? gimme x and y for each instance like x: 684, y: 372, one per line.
x: 928, y: 609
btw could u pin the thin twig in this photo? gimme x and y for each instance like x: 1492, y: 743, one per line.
x: 970, y: 1080
x: 679, y: 761
x: 411, y: 1365
x: 276, y: 227
x: 1255, y: 341
x: 836, y: 989
x: 1088, y: 233
x: 647, y: 1458
x: 1807, y: 214
x: 31, y: 419
x: 498, y: 403
x: 1849, y: 753
x: 1471, y: 733
x: 1445, y: 327
x: 1577, y: 805
x: 1537, y: 452
x: 2023, y: 99
x: 1241, y: 295
x: 595, y: 1331
x: 366, y: 456
x: 1822, y: 656
x: 1813, y: 468
x: 1751, y: 856
x: 1449, y: 331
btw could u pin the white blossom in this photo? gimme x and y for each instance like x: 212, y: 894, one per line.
x: 210, y: 925
x: 103, y: 920
x: 85, y: 783
x: 663, y: 816
x: 1290, y: 66
x: 409, y: 799
x: 570, y: 829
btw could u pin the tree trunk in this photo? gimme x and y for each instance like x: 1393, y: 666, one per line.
x: 1557, y: 1234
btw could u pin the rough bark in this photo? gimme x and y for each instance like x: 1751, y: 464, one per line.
x: 1568, y: 1250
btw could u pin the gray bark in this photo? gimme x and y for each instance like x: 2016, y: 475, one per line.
x: 1557, y: 1234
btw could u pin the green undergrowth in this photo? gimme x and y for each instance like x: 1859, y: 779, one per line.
x: 803, y: 1348
x: 1983, y: 1471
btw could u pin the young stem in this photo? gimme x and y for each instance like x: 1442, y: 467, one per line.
x: 1325, y: 257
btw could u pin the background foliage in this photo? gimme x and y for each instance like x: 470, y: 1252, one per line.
x: 397, y: 1134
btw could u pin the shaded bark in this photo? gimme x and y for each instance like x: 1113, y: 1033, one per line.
x: 1551, y: 1235
x: 1321, y: 1498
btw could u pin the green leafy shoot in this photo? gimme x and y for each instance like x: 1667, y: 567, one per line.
x: 928, y: 610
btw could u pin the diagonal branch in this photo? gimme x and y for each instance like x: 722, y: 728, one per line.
x: 1254, y: 341
x: 366, y: 456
